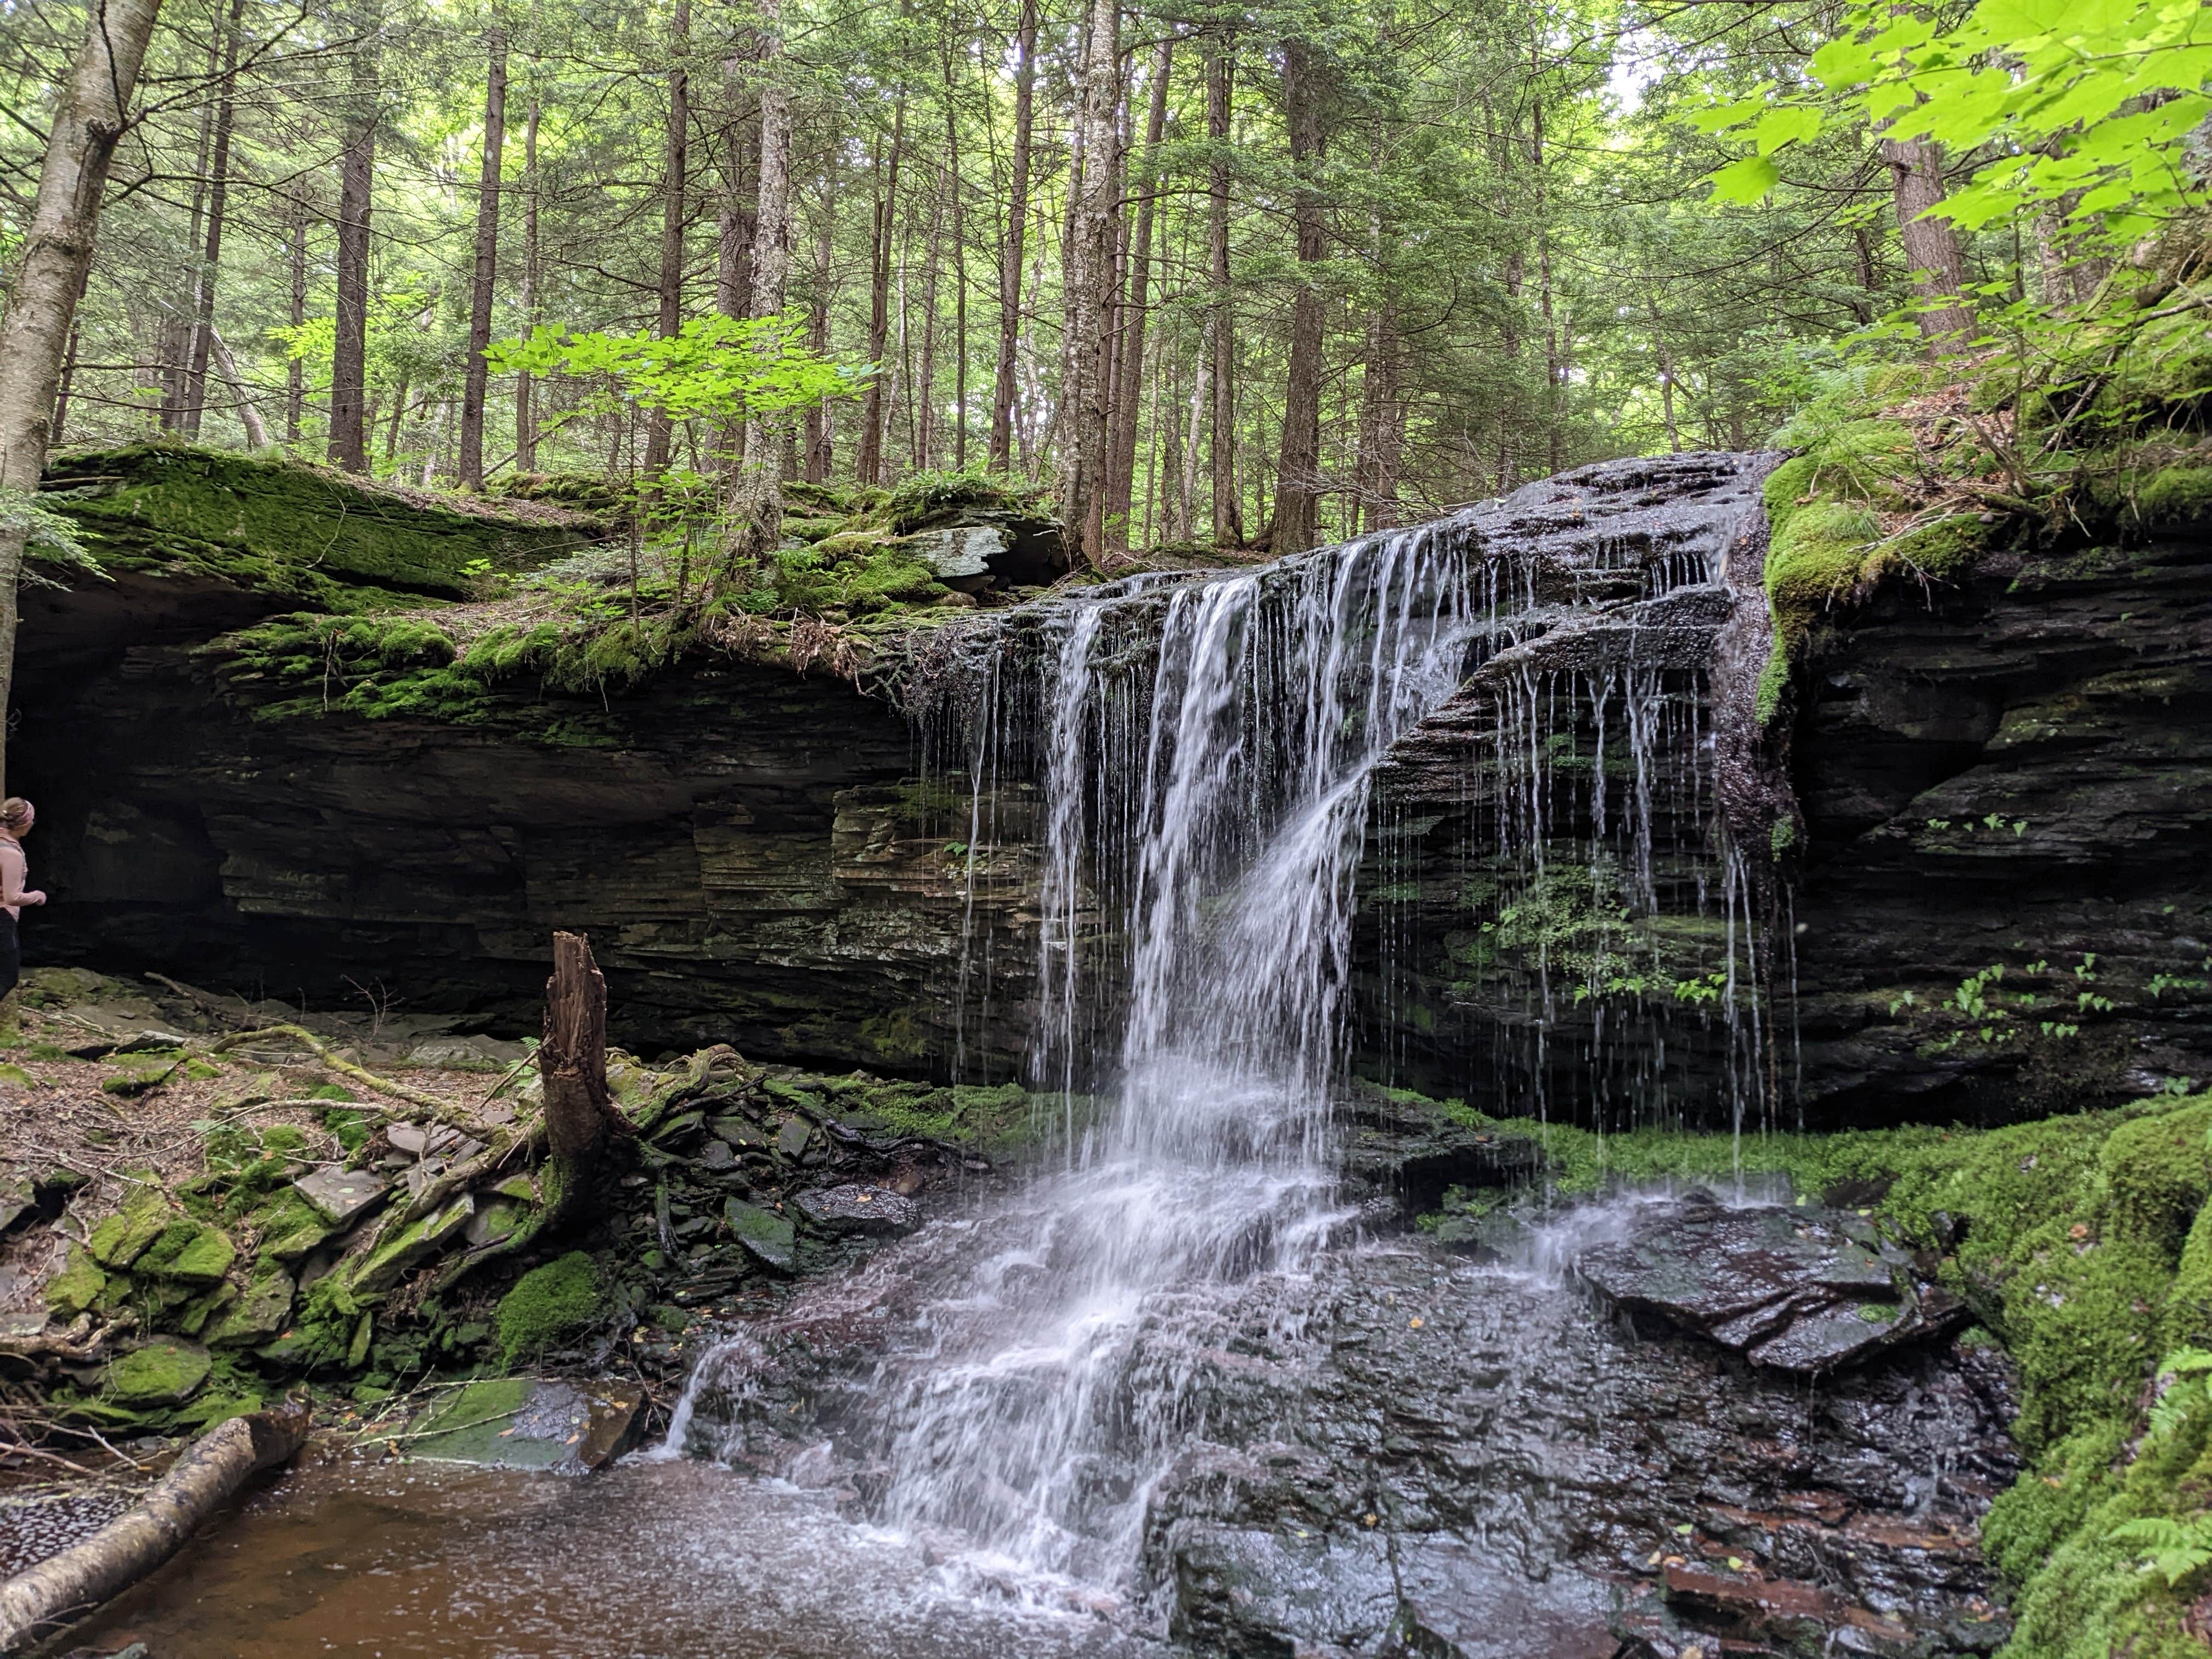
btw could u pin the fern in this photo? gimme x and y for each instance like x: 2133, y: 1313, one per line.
x: 2173, y: 1549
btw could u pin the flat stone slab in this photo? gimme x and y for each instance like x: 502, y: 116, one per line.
x: 769, y: 1235
x: 858, y: 1209
x: 340, y: 1195
x: 1800, y: 1288
x: 523, y: 1423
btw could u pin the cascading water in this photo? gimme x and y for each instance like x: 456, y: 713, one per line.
x: 1238, y: 829
x: 1206, y: 746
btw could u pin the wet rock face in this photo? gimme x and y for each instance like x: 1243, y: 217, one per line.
x: 1406, y: 1452
x: 1801, y: 1289
x: 1490, y: 1470
x: 2014, y: 772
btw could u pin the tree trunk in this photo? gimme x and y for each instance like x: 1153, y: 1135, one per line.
x: 295, y: 371
x: 1378, y: 428
x: 817, y: 425
x: 738, y: 224
x: 1931, y: 246
x: 580, y: 1114
x: 1298, y: 474
x: 55, y: 256
x: 526, y: 413
x: 1228, y: 516
x: 959, y: 272
x: 1185, y: 515
x: 1544, y: 287
x: 62, y: 395
x: 65, y: 1586
x: 1079, y: 465
x: 1003, y: 380
x: 671, y: 284
x: 757, y: 507
x: 257, y: 434
x: 1128, y: 379
x: 478, y: 372
x: 178, y: 332
x: 1666, y: 377
x: 218, y: 199
x: 349, y: 442
x: 868, y: 465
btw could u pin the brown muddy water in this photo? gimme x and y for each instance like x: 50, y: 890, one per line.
x: 647, y: 1560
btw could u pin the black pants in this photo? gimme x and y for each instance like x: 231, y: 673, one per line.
x: 11, y: 954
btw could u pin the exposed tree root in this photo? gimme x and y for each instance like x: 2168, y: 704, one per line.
x: 442, y: 1109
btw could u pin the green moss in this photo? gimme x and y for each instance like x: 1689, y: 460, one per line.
x: 122, y: 1238
x: 188, y: 1252
x: 284, y: 527
x: 74, y: 1289
x: 159, y: 1373
x: 547, y: 1303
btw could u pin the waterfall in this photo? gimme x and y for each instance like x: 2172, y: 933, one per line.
x: 1229, y: 819
x: 1208, y: 746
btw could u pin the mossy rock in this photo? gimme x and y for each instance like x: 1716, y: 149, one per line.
x: 123, y: 1237
x: 257, y: 1316
x: 78, y: 1285
x: 767, y: 1235
x: 548, y: 1304
x: 188, y: 1252
x: 165, y: 1373
x: 415, y: 1243
x: 283, y: 526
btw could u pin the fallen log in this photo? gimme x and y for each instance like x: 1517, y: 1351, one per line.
x: 127, y: 1548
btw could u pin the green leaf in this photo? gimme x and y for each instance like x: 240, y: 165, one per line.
x: 1747, y: 180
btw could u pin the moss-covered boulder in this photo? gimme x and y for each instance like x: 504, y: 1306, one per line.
x: 548, y: 1304
x: 284, y: 526
x: 78, y: 1284
x: 188, y: 1252
x: 165, y: 1373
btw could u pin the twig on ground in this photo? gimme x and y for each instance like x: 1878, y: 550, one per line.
x: 442, y: 1109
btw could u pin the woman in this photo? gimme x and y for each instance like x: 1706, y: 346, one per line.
x: 16, y: 817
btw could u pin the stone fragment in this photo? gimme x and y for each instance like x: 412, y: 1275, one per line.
x: 340, y: 1195
x: 1801, y: 1289
x: 717, y: 1155
x: 493, y: 1221
x: 160, y: 1374
x: 417, y: 1243
x: 858, y: 1209
x: 791, y: 1139
x: 257, y: 1317
x: 410, y: 1137
x: 521, y: 1422
x: 123, y: 1237
x: 739, y: 1132
x: 769, y: 1235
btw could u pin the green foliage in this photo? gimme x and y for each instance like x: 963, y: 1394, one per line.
x: 2083, y: 105
x: 722, y: 368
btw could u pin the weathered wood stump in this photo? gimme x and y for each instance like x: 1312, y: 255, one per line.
x: 580, y: 1120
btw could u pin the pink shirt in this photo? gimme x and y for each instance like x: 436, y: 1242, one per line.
x: 14, y: 874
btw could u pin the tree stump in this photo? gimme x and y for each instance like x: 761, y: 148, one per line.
x: 579, y: 1116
